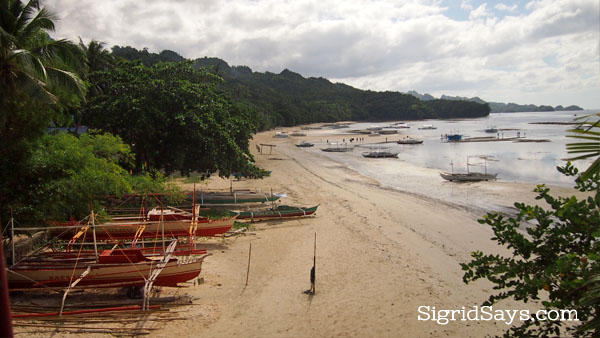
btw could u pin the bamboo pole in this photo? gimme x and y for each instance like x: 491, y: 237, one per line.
x: 94, y: 232
x: 315, y: 264
x: 12, y: 234
x: 248, y: 270
x: 6, y: 329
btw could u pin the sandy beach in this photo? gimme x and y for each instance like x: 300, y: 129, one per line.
x: 381, y: 254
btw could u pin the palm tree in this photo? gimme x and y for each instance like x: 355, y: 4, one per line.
x: 33, y: 66
x: 97, y: 58
x: 589, y: 131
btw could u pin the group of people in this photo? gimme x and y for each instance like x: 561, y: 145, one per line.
x: 357, y: 139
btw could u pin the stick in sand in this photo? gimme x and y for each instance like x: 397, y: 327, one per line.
x: 248, y: 271
x: 312, y: 291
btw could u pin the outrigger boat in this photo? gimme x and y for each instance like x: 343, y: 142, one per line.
x: 152, y: 228
x: 469, y: 176
x: 409, y: 140
x: 379, y: 154
x: 278, y: 212
x: 233, y: 197
x: 112, y: 268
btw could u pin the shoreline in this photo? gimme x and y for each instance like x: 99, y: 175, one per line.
x: 381, y: 254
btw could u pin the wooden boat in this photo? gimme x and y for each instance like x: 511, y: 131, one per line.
x: 278, y: 212
x: 233, y: 197
x: 304, y: 144
x: 379, y: 154
x: 453, y: 137
x: 491, y: 130
x: 146, y: 229
x: 113, y: 268
x: 336, y: 148
x: 409, y: 140
x: 468, y: 177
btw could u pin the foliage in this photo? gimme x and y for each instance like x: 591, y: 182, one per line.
x: 558, y: 260
x: 174, y: 117
x: 67, y: 174
x: 589, y: 132
x: 288, y: 99
x: 36, y: 74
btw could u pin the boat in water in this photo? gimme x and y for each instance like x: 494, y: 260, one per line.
x: 410, y: 140
x: 469, y: 176
x: 379, y: 154
x: 337, y: 148
x: 491, y: 130
x: 427, y: 127
x: 453, y: 137
x: 304, y: 144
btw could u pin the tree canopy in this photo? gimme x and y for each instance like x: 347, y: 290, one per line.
x: 174, y: 117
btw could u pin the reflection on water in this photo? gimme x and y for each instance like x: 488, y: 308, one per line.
x: 531, y: 162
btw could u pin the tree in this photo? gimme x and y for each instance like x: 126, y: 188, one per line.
x: 35, y: 71
x: 67, y: 173
x: 557, y: 260
x: 174, y: 117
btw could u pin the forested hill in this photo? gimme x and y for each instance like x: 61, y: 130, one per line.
x: 498, y: 107
x: 289, y: 99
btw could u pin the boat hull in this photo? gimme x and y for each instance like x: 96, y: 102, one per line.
x: 280, y: 212
x: 181, y: 228
x: 61, y: 275
x: 471, y: 177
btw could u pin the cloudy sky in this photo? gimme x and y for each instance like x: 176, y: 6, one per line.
x: 539, y: 51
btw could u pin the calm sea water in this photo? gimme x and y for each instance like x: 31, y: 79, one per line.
x: 513, y: 161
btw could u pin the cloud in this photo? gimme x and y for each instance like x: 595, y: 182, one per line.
x: 379, y: 44
x: 503, y: 7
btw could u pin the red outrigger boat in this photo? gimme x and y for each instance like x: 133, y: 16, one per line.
x: 113, y: 268
x: 175, y: 223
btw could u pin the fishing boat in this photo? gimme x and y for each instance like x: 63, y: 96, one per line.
x: 281, y: 134
x: 337, y: 148
x: 112, y: 268
x: 453, y: 137
x: 379, y: 154
x: 278, y: 212
x: 427, y: 127
x: 469, y: 176
x: 491, y: 130
x: 304, y: 144
x: 123, y: 229
x: 233, y: 197
x: 409, y: 140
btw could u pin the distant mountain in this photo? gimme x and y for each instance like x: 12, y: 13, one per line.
x: 288, y: 99
x: 497, y: 107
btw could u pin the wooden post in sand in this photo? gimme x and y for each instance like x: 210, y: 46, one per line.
x: 315, y: 265
x: 248, y: 270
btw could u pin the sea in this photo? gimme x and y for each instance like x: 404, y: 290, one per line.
x: 416, y: 170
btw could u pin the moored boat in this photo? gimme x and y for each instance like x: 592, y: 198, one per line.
x: 379, y: 154
x: 468, y: 177
x: 278, y: 212
x: 304, y: 144
x: 409, y: 140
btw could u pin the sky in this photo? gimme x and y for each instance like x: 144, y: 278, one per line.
x: 526, y: 52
